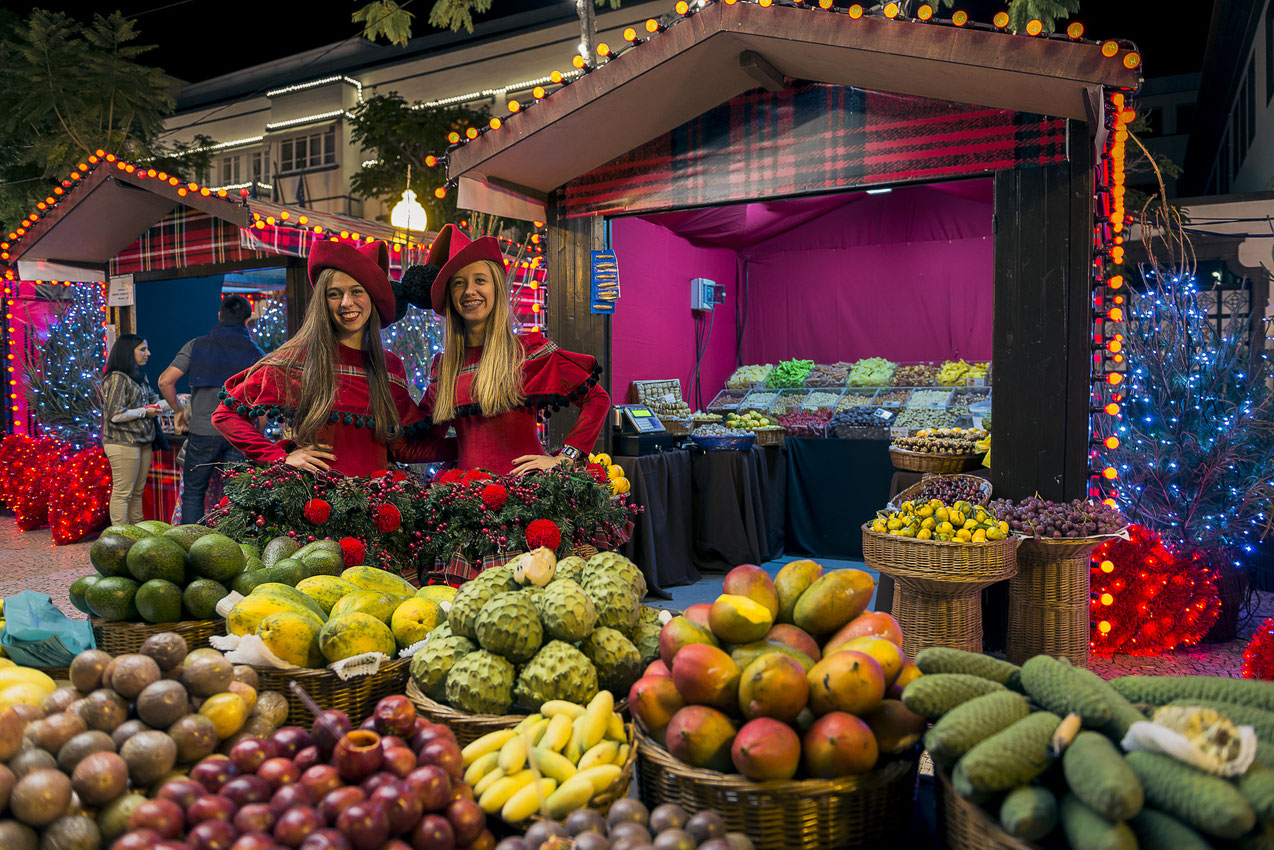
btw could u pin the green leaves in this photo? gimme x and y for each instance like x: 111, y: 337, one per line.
x: 456, y: 14
x: 386, y: 18
x: 1047, y: 12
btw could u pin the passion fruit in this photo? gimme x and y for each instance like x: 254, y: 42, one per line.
x: 41, y: 797
x: 207, y: 673
x: 16, y: 836
x: 149, y: 756
x: 100, y: 778
x: 195, y: 737
x: 163, y: 703
x: 30, y: 760
x: 59, y: 700
x: 54, y: 731
x: 126, y: 730
x: 87, y: 668
x: 113, y: 819
x: 168, y: 649
x: 12, y: 725
x: 105, y: 710
x: 7, y: 781
x: 133, y: 672
x: 71, y: 832
x: 82, y: 745
x: 244, y: 673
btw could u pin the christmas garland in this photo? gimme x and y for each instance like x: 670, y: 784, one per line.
x: 1258, y: 657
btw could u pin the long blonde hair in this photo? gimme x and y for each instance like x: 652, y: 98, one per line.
x: 312, y: 352
x: 497, y: 385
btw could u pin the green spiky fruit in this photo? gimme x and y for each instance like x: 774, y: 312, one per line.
x: 558, y: 671
x: 442, y: 630
x: 616, y: 565
x: 650, y: 616
x: 567, y: 611
x: 571, y: 567
x: 617, y: 661
x: 468, y: 602
x: 432, y: 662
x: 509, y: 625
x: 500, y: 578
x: 481, y: 683
x: 615, y: 600
x: 646, y: 638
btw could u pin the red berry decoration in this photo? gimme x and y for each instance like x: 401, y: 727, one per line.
x: 388, y: 518
x: 317, y: 511
x: 1258, y: 658
x: 494, y: 496
x: 451, y: 476
x: 598, y: 472
x: 478, y: 475
x: 543, y: 532
x: 354, y: 551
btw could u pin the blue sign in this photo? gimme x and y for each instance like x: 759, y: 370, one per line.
x: 605, y: 277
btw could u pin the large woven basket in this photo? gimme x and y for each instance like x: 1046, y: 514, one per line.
x: 808, y: 814
x: 914, y: 490
x: 938, y: 598
x: 770, y: 436
x: 1049, y: 599
x: 357, y: 697
x: 119, y: 638
x: 942, y: 464
x: 967, y: 826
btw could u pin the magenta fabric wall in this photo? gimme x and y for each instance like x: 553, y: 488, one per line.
x: 905, y: 275
x: 653, y: 329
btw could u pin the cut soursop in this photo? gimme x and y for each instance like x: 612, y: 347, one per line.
x: 646, y: 638
x: 509, y: 625
x: 617, y: 661
x: 616, y: 602
x: 558, y: 671
x: 481, y: 683
x: 468, y: 602
x: 432, y: 662
x: 567, y: 611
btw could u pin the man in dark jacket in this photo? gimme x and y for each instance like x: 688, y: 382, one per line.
x: 207, y: 362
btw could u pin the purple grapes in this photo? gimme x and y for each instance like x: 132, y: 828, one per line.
x: 1037, y: 517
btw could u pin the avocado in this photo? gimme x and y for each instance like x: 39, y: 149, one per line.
x: 109, y: 552
x: 318, y: 546
x: 157, y: 557
x: 278, y: 549
x: 323, y: 562
x: 185, y: 535
x: 250, y: 551
x: 134, y: 531
x: 201, y: 597
x: 159, y: 601
x: 79, y: 591
x: 154, y: 526
x: 217, y: 557
x: 289, y: 571
x: 245, y: 582
x: 112, y: 598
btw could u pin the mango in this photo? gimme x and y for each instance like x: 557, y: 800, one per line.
x: 749, y: 652
x: 876, y: 623
x: 833, y: 600
x: 293, y: 637
x: 754, y: 583
x: 680, y: 632
x: 698, y: 613
x: 355, y: 634
x: 379, y: 581
x: 705, y: 675
x: 653, y: 700
x: 379, y: 605
x: 766, y: 749
x: 791, y: 581
x: 249, y: 611
x: 284, y: 591
x: 798, y: 639
x: 846, y: 681
x: 701, y: 737
x: 909, y: 673
x: 774, y: 686
x: 887, y: 654
x: 227, y: 712
x: 326, y: 590
x: 897, y: 728
x: 738, y: 619
x: 839, y: 744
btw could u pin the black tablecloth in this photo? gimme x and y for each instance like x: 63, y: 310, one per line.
x: 833, y: 487
x: 662, y: 539
x: 738, y: 506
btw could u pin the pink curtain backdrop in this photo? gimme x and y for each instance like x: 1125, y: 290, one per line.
x: 653, y: 329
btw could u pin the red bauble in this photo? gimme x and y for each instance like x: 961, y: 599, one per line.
x: 1258, y: 658
x: 317, y: 511
x: 543, y: 532
x: 354, y: 551
x: 451, y: 476
x: 387, y: 518
x: 494, y: 496
x: 598, y: 472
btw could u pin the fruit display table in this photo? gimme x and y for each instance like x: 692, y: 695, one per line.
x: 829, y: 481
x: 739, y: 503
x: 662, y: 532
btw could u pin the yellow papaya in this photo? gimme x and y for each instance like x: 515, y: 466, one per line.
x: 293, y: 637
x: 326, y: 590
x: 379, y: 605
x: 379, y: 581
x: 354, y: 634
x: 249, y: 611
x: 284, y: 591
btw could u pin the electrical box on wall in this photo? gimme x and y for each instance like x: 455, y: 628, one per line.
x: 705, y: 294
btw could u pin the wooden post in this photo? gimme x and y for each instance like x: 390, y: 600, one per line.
x: 297, y: 290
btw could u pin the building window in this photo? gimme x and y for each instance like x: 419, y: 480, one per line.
x: 309, y: 151
x: 260, y: 166
x: 230, y: 170
x: 1154, y: 121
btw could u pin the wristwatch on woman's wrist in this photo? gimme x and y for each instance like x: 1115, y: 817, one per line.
x: 572, y: 453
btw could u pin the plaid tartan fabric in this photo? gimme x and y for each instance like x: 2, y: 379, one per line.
x: 458, y: 570
x: 184, y: 237
x: 159, y: 499
x: 814, y: 138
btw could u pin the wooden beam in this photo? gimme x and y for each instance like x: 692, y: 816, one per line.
x: 758, y: 68
x: 298, y: 293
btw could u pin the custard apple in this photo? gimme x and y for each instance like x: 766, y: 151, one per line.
x: 617, y: 661
x: 509, y: 625
x: 567, y: 611
x: 500, y: 577
x: 432, y: 662
x: 645, y: 637
x: 571, y: 567
x: 442, y: 630
x: 649, y: 616
x: 616, y: 601
x: 558, y: 671
x: 536, y: 595
x: 469, y: 601
x: 614, y: 564
x: 481, y: 683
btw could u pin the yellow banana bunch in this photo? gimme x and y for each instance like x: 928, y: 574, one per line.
x: 23, y: 685
x: 554, y: 761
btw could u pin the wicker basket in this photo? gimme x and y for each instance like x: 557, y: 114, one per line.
x: 938, y: 598
x: 468, y: 727
x: 809, y: 814
x: 584, y: 551
x: 1049, y: 600
x: 770, y: 436
x: 967, y: 827
x: 118, y: 638
x: 914, y: 490
x: 677, y: 426
x: 356, y: 697
x: 941, y: 464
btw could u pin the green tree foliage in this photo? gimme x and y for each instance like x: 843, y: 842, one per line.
x: 398, y: 136
x: 1047, y: 12
x: 386, y: 18
x: 64, y: 372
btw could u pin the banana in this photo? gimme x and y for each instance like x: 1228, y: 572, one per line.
x: 488, y: 743
x: 603, y: 753
x: 26, y: 675
x: 621, y: 757
x: 596, y: 717
x: 529, y: 721
x: 487, y: 781
x: 524, y: 803
x: 6, y: 662
x: 575, y: 749
x: 502, y: 790
x: 480, y: 768
x: 554, y: 707
x: 553, y: 765
x: 615, y: 728
x: 513, y: 755
x: 603, y: 776
x: 537, y: 731
x: 557, y: 734
x: 569, y: 796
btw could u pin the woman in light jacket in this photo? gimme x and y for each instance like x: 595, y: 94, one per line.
x: 129, y: 409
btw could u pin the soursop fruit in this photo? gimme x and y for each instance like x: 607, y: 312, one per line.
x: 558, y: 671
x: 481, y: 683
x: 617, y: 661
x: 509, y: 625
x: 567, y: 612
x: 616, y: 602
x: 535, y: 594
x: 471, y: 599
x: 432, y: 662
x: 442, y: 630
x: 614, y: 564
x: 649, y: 616
x: 571, y: 567
x: 500, y: 577
x: 645, y: 637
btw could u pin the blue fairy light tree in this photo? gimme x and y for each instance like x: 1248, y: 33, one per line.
x: 415, y: 338
x: 270, y: 328
x: 64, y: 373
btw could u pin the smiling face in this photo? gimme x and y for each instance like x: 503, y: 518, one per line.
x: 142, y: 353
x: 349, y: 304
x: 472, y: 292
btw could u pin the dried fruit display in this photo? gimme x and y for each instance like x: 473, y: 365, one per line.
x: 871, y: 372
x: 916, y: 375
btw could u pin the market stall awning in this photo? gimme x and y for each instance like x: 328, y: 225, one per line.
x: 726, y: 49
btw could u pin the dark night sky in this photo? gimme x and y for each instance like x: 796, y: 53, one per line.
x: 199, y: 39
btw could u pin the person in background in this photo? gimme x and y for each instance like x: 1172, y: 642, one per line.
x: 129, y: 408
x: 207, y: 362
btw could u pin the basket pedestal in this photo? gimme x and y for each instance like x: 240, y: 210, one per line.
x: 1049, y: 601
x: 966, y: 826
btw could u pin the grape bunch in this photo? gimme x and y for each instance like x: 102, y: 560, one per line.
x: 1037, y: 517
x: 950, y: 489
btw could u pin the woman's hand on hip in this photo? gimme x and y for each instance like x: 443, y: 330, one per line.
x: 314, y: 458
x: 535, y: 463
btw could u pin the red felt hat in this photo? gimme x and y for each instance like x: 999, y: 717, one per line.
x: 368, y: 264
x: 451, y: 252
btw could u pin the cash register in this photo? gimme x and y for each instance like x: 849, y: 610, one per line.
x: 638, y: 431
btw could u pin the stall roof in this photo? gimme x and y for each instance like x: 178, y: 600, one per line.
x: 725, y: 50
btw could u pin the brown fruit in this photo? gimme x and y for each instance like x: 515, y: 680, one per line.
x: 149, y: 756
x: 701, y: 737
x: 7, y: 781
x: 82, y: 746
x: 162, y: 704
x: 17, y: 836
x: 833, y: 600
x: 100, y: 778
x: 28, y: 713
x: 790, y: 635
x: 87, y: 668
x: 773, y: 686
x: 59, y: 700
x: 41, y: 797
x: 126, y: 730
x: 207, y: 673
x: 108, y: 672
x: 791, y: 581
x: 244, y: 673
x: 867, y: 623
x: 11, y: 728
x: 766, y: 749
x: 31, y: 760
x: 53, y: 732
x: 896, y: 728
x: 133, y: 672
x: 839, y: 744
x: 105, y: 709
x: 654, y: 700
x: 72, y: 831
x: 704, y: 675
x: 195, y: 737
x: 167, y: 648
x: 113, y: 818
x: 738, y: 619
x: 847, y: 681
x: 755, y: 583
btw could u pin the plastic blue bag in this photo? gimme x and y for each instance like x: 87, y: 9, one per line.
x: 37, y: 634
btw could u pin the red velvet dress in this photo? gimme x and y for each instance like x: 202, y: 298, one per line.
x: 551, y: 379
x: 270, y: 392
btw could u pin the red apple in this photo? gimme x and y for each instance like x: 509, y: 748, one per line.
x: 394, y: 715
x: 139, y: 839
x: 366, y: 824
x: 290, y: 740
x: 247, y: 789
x: 434, y: 832
x: 325, y: 839
x: 432, y: 785
x: 295, y: 824
x: 213, y: 772
x: 250, y: 753
x: 212, y: 835
x: 164, y: 817
x: 181, y: 791
x: 294, y: 794
x: 399, y: 761
x: 446, y: 755
x: 254, y: 817
x: 253, y: 841
x: 467, y: 820
x: 307, y: 758
x: 320, y: 779
x: 402, y: 807
x: 336, y: 801
x: 212, y: 807
x: 277, y: 772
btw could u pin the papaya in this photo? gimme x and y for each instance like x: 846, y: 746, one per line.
x: 283, y: 591
x: 293, y: 637
x: 379, y: 581
x: 249, y: 611
x: 355, y: 634
x: 379, y: 605
x: 326, y: 590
